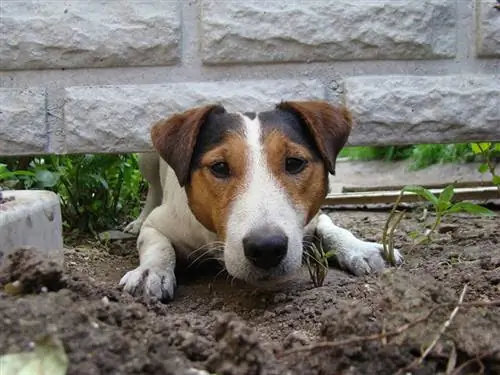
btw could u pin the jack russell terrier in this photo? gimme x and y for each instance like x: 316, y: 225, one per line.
x: 245, y: 187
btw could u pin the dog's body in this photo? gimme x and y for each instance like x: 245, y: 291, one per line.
x: 246, y: 188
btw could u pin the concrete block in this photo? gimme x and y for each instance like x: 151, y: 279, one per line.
x: 92, y: 33
x: 401, y: 110
x: 487, y: 28
x: 23, y: 121
x: 118, y: 118
x: 276, y: 31
x: 31, y: 218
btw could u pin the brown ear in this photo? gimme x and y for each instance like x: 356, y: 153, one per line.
x: 174, y: 138
x: 329, y: 125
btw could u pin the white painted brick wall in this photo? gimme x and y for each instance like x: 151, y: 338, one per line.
x: 92, y: 76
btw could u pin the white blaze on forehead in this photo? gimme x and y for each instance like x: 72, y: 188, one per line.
x: 262, y: 192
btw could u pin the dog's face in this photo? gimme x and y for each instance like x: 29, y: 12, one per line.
x: 256, y: 180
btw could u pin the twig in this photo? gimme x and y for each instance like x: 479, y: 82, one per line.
x: 381, y: 336
x: 477, y: 359
x: 446, y: 324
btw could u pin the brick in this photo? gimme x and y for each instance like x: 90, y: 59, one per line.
x: 488, y: 29
x: 257, y: 31
x: 23, y: 121
x: 91, y: 33
x: 414, y: 109
x: 118, y: 118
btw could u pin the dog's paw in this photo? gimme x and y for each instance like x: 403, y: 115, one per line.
x: 150, y: 282
x: 363, y: 258
x: 133, y: 227
x: 357, y: 256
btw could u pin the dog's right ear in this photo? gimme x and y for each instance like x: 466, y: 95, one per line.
x: 174, y: 138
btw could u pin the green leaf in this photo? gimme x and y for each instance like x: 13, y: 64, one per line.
x: 483, y: 168
x: 479, y: 148
x: 443, y: 206
x: 497, y: 147
x: 496, y: 180
x: 470, y: 208
x: 46, y: 179
x: 447, y: 194
x: 423, y: 192
x: 48, y: 358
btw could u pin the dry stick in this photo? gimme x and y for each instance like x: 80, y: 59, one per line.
x: 477, y: 359
x: 380, y: 336
x: 446, y: 324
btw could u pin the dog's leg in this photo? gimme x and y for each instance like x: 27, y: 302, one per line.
x: 149, y: 165
x: 355, y: 255
x: 155, y: 275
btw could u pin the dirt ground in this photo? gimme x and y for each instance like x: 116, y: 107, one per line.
x: 225, y: 327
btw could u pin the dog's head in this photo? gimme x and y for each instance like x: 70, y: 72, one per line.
x: 256, y: 180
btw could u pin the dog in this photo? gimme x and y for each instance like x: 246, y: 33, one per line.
x: 246, y: 188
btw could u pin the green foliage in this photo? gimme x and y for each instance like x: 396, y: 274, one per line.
x: 97, y: 191
x: 442, y: 206
x: 423, y: 156
x: 419, y: 156
x: 490, y: 153
x: 390, y: 153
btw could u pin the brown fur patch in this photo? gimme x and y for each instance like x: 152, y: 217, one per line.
x: 210, y: 197
x: 329, y: 125
x: 174, y: 138
x: 307, y: 189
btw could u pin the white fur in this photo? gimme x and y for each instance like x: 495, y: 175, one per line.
x: 171, y: 224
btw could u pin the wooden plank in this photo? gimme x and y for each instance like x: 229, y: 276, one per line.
x: 442, y: 185
x: 377, y: 197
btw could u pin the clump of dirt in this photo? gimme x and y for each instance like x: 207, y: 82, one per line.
x: 31, y: 271
x: 373, y: 324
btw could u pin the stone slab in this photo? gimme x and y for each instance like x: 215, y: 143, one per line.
x: 92, y: 33
x: 118, y: 118
x: 23, y: 121
x: 401, y: 110
x: 488, y: 28
x: 258, y: 31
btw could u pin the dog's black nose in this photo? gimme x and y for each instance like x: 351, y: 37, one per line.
x: 266, y: 247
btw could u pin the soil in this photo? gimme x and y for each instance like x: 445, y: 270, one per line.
x: 223, y: 326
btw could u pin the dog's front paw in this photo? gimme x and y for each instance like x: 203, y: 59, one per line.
x: 150, y: 282
x: 363, y: 258
x: 133, y: 227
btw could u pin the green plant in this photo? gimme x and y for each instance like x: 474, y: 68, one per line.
x: 442, y: 206
x: 317, y: 263
x: 425, y: 155
x: 490, y: 152
x: 37, y: 176
x: 419, y: 156
x: 97, y: 191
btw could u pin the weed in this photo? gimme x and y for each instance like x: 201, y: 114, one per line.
x: 442, y: 206
x: 490, y: 153
x: 317, y: 263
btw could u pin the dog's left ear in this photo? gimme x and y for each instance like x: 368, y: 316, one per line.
x: 174, y: 138
x: 329, y: 125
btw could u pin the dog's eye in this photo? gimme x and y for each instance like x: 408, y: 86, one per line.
x: 295, y: 165
x: 220, y: 169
